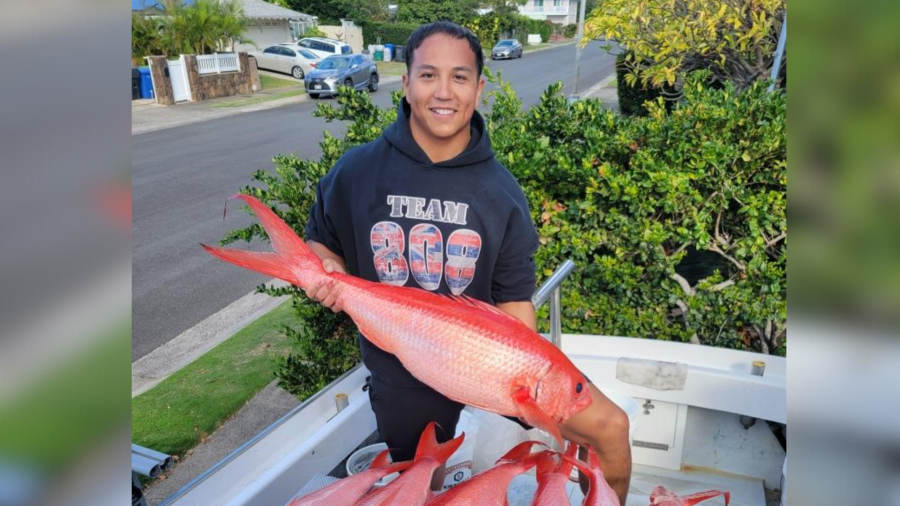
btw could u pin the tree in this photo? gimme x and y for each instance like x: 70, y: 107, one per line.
x: 733, y: 39
x: 426, y: 11
x: 205, y: 26
x: 330, y: 12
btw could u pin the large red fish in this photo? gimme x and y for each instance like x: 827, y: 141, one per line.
x: 413, y: 487
x: 489, y: 488
x: 349, y: 490
x: 661, y: 496
x: 552, y: 477
x: 600, y: 493
x: 488, y: 359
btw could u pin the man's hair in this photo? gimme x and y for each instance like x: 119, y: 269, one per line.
x: 443, y: 28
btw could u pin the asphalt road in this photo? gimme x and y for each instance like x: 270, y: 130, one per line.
x: 182, y: 176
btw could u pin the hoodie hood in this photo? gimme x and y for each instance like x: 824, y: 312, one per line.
x: 400, y: 137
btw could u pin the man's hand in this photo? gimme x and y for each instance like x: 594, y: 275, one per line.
x: 327, y: 292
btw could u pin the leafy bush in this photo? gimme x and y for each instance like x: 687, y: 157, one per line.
x: 376, y: 32
x: 735, y: 40
x: 625, y: 198
x: 633, y: 97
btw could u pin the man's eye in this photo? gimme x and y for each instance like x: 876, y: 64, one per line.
x: 460, y: 78
x: 427, y: 75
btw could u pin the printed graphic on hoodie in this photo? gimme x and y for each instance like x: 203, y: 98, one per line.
x: 426, y: 245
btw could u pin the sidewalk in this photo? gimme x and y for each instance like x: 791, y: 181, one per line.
x: 148, y: 116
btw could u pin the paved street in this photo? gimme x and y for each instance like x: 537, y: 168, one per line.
x: 182, y: 175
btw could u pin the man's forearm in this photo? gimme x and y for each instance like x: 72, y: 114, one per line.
x: 523, y: 310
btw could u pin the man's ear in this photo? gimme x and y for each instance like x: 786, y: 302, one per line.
x: 405, y: 79
x: 481, y: 82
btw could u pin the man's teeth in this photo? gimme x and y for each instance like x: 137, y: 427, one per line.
x: 443, y: 111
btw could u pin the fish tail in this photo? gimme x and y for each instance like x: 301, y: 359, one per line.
x: 382, y: 462
x: 690, y: 500
x: 293, y: 260
x: 429, y: 447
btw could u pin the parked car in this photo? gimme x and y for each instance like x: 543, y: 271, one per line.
x: 288, y: 59
x: 506, y: 48
x: 324, y: 47
x: 355, y: 70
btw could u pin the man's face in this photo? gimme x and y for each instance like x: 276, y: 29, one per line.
x: 443, y: 88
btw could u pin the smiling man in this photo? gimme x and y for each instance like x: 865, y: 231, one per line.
x: 427, y: 205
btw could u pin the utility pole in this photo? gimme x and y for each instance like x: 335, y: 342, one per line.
x: 779, y: 54
x: 578, y: 35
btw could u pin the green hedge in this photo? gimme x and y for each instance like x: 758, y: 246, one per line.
x: 625, y: 198
x: 389, y: 32
x: 632, y: 98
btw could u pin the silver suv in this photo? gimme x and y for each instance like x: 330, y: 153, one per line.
x: 325, y: 47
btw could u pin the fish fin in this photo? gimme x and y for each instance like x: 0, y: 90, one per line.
x: 494, y: 312
x: 429, y: 447
x: 382, y: 461
x: 547, y: 463
x: 520, y: 452
x: 292, y: 261
x: 579, y: 464
x: 534, y: 415
x: 690, y: 500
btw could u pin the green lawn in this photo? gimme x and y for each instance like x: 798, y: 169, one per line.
x: 260, y: 98
x: 391, y: 68
x: 175, y: 415
x: 268, y: 82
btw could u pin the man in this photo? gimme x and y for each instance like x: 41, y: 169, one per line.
x: 427, y: 205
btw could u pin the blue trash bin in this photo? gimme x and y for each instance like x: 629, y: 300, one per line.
x: 146, y: 83
x: 389, y: 48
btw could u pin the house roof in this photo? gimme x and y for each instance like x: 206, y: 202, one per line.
x: 142, y: 5
x: 259, y: 9
x: 254, y: 9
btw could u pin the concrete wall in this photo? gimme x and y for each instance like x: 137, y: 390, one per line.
x: 226, y: 84
x: 347, y: 32
x: 206, y: 86
x: 162, y: 87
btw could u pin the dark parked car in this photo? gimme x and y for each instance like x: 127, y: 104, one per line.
x: 351, y: 70
x: 507, y: 48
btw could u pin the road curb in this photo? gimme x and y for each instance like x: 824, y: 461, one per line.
x: 212, y: 113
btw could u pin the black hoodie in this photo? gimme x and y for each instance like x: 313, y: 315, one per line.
x: 460, y: 226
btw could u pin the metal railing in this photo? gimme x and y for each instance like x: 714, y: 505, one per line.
x: 551, y: 290
x: 217, y: 63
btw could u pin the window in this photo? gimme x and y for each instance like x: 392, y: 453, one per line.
x: 271, y: 50
x: 306, y: 43
x: 557, y: 4
x: 308, y: 55
x: 288, y: 52
x: 539, y: 5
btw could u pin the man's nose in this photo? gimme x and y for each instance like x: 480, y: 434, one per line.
x: 444, y: 91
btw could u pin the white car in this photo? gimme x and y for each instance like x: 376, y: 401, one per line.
x: 324, y: 47
x: 287, y: 58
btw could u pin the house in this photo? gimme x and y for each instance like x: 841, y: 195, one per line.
x: 562, y: 12
x: 268, y: 24
x: 271, y: 24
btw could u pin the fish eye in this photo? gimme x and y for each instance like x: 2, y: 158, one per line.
x: 578, y: 388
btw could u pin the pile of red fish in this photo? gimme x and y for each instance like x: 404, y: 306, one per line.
x: 488, y: 488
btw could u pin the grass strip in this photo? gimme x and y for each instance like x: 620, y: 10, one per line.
x: 268, y: 82
x: 260, y: 99
x: 183, y: 409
